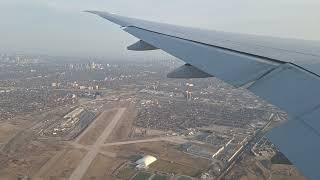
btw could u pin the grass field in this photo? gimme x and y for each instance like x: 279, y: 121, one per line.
x: 279, y: 158
x: 142, y: 176
x: 184, y: 178
x: 126, y: 173
x: 172, y: 167
x: 159, y: 177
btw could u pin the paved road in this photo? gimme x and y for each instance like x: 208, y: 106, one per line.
x: 94, y: 149
x: 246, y: 148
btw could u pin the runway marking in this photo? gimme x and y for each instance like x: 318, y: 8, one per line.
x: 170, y: 139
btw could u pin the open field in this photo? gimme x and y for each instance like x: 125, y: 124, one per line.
x: 141, y: 176
x: 161, y: 149
x: 25, y: 164
x: 159, y: 177
x: 251, y: 169
x: 7, y: 131
x: 102, y: 168
x: 291, y: 172
x: 126, y: 173
x: 22, y: 153
x: 174, y: 168
x: 65, y: 165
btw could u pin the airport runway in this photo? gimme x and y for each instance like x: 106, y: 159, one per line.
x: 170, y: 139
x: 94, y: 149
x: 91, y: 126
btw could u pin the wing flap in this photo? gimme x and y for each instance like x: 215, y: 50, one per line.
x: 312, y: 120
x: 301, y: 145
x: 289, y: 87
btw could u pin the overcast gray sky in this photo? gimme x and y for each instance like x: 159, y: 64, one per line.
x: 59, y: 27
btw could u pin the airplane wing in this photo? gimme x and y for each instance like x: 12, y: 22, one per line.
x: 285, y: 72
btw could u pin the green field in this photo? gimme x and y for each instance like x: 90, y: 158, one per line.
x: 142, y: 176
x: 126, y: 173
x: 184, y: 178
x: 172, y: 167
x: 159, y: 177
x: 279, y: 158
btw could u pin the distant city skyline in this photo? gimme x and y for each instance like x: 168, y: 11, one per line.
x: 61, y: 28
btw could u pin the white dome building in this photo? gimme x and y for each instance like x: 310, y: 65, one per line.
x: 145, y: 161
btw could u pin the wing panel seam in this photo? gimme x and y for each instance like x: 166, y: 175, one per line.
x: 215, y: 46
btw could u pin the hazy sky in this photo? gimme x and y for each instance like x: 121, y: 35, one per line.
x: 59, y: 27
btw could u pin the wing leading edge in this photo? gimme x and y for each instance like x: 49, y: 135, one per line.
x: 277, y: 70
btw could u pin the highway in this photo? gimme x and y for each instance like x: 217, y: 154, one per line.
x: 246, y: 148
